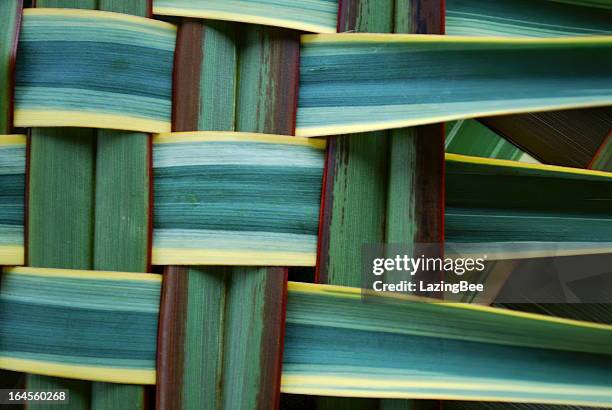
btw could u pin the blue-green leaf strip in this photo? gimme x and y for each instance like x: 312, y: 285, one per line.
x: 533, y: 18
x: 352, y: 83
x: 317, y: 16
x: 224, y: 198
x: 90, y: 325
x: 94, y: 69
x: 394, y: 347
x: 534, y: 210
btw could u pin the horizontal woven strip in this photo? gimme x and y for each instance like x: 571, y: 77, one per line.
x: 94, y: 69
x: 363, y: 82
x: 12, y: 198
x: 395, y: 348
x: 567, y: 137
x: 550, y: 210
x: 318, y: 16
x: 539, y: 18
x: 538, y: 358
x: 90, y: 325
x: 225, y: 198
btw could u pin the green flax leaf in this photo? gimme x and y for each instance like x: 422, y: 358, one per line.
x: 226, y: 198
x: 363, y: 82
x: 491, y: 200
x: 318, y: 16
x: 393, y: 347
x: 538, y: 18
x: 122, y: 82
x: 38, y: 304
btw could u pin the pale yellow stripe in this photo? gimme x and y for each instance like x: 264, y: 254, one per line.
x: 355, y: 293
x: 81, y: 372
x: 13, y: 139
x: 11, y: 255
x: 527, y: 254
x: 336, y: 129
x: 300, y: 389
x: 57, y: 118
x: 183, y: 256
x: 83, y: 274
x: 96, y: 15
x: 356, y: 382
x: 346, y: 291
x: 196, y: 136
x: 243, y: 18
x: 525, y: 165
x: 431, y: 38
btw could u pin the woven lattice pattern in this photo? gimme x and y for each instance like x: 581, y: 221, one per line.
x: 191, y: 192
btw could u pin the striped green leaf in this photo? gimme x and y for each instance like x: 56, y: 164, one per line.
x: 469, y: 137
x: 123, y: 189
x: 318, y: 16
x: 236, y: 198
x: 570, y: 137
x: 89, y: 325
x: 358, y: 181
x: 534, y: 18
x: 363, y: 82
x: 120, y: 70
x: 61, y: 191
x: 602, y: 312
x: 490, y: 200
x: 391, y: 347
x: 12, y: 198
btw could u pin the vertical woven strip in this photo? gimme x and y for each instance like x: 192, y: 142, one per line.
x: 122, y: 216
x: 60, y: 211
x: 415, y: 201
x: 355, y: 187
x: 268, y: 71
x: 60, y: 218
x: 10, y: 19
x: 353, y: 213
x: 98, y: 182
x: 221, y: 328
x: 184, y: 369
x: 396, y: 189
x: 415, y: 204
